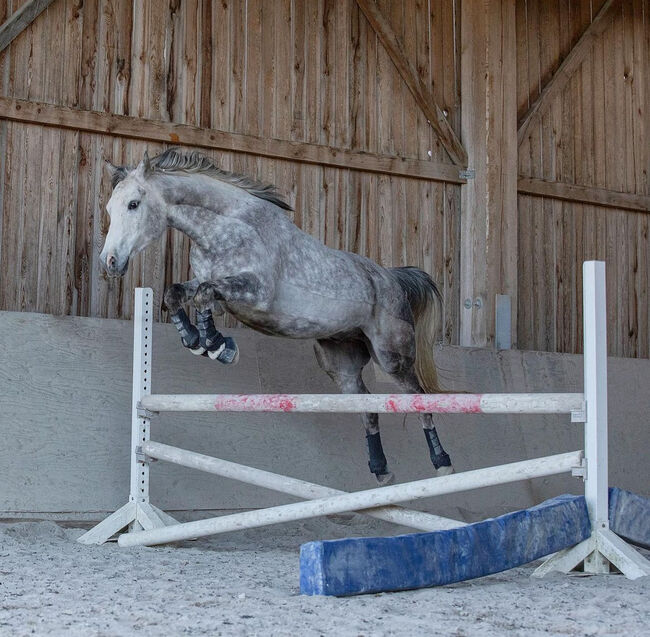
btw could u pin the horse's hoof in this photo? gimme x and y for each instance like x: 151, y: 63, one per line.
x: 227, y: 353
x: 384, y: 479
x: 444, y: 471
x: 198, y: 351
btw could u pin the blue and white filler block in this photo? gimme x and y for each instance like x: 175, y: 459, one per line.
x: 369, y: 565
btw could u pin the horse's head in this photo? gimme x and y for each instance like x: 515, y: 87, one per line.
x: 137, y: 215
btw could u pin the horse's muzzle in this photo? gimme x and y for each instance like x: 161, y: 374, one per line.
x: 113, y: 267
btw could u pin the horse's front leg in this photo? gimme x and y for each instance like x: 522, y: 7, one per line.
x: 174, y: 298
x: 236, y: 289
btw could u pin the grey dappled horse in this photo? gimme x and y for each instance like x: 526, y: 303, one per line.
x: 250, y: 260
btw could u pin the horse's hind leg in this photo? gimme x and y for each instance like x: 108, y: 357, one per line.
x: 400, y: 365
x: 343, y: 361
x: 439, y: 457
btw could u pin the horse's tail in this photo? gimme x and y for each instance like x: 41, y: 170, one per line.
x: 425, y: 301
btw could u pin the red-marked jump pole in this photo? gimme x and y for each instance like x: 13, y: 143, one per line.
x: 373, y: 403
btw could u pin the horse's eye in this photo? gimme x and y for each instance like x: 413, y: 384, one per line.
x: 133, y: 205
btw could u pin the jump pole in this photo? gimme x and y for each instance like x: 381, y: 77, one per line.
x: 467, y: 480
x: 292, y: 486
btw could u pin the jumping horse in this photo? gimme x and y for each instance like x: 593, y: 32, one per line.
x: 250, y: 260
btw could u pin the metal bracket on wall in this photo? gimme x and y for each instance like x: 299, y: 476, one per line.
x: 468, y: 303
x: 502, y: 322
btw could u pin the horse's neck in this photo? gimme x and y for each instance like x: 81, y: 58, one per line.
x: 199, y: 207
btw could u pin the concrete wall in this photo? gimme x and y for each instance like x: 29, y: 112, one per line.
x: 65, y: 424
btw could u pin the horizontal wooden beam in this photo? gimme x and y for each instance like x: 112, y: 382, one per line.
x: 181, y: 134
x: 20, y: 20
x: 583, y: 194
x: 568, y: 67
x: 419, y: 90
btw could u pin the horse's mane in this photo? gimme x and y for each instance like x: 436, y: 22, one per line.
x: 172, y: 160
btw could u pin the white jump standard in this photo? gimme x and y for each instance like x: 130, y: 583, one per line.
x: 148, y: 525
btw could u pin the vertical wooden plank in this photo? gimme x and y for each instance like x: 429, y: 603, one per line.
x: 298, y: 70
x: 544, y: 144
x: 238, y: 67
x: 489, y: 200
x: 371, y: 93
x: 12, y: 166
x: 384, y: 221
x: 401, y: 96
x: 616, y: 178
x: 330, y: 232
x: 438, y: 65
x: 450, y: 98
x: 27, y: 265
x: 285, y: 171
x: 5, y: 149
x: 221, y: 64
x: 327, y: 74
x: 355, y: 213
x: 313, y: 35
x: 608, y: 43
x: 451, y: 294
x: 256, y: 81
x: 502, y: 232
x: 425, y: 68
x: 474, y: 214
x: 632, y: 176
x: 640, y: 225
x: 524, y: 327
x: 342, y: 52
x: 586, y: 168
x: 357, y: 73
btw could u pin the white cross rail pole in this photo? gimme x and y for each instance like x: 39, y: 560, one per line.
x: 595, y: 389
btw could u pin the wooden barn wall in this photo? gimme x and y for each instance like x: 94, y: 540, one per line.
x: 594, y: 134
x: 308, y: 70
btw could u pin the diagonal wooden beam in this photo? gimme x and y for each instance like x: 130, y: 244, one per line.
x: 420, y: 91
x: 584, y: 194
x: 20, y: 20
x: 569, y: 66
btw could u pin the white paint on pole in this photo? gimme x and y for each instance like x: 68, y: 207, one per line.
x: 548, y: 403
x: 292, y: 486
x: 503, y: 474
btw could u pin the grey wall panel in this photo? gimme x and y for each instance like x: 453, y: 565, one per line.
x: 65, y: 424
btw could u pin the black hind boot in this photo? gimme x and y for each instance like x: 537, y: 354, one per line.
x: 439, y: 457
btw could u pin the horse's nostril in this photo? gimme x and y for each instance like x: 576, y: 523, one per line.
x: 111, y: 261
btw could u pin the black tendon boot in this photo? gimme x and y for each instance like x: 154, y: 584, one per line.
x: 439, y: 457
x: 377, y: 460
x: 189, y: 334
x: 218, y: 347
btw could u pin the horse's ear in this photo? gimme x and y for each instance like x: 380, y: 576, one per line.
x: 144, y: 167
x: 116, y: 173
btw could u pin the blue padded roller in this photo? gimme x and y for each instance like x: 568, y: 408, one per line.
x: 629, y: 516
x: 370, y: 565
